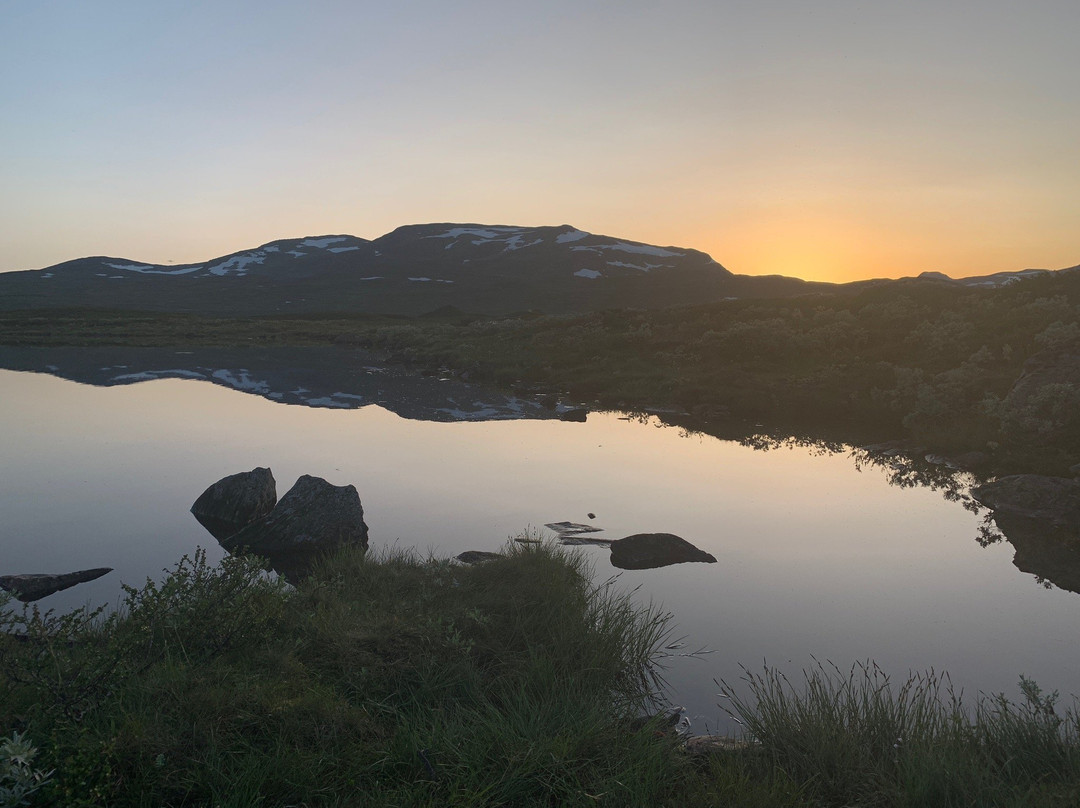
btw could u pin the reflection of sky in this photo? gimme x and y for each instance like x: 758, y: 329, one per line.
x: 832, y: 139
x: 814, y: 557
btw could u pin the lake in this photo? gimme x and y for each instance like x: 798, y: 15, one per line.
x: 817, y: 554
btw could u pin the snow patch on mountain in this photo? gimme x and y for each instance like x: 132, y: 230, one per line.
x: 342, y: 249
x: 588, y: 273
x: 642, y: 267
x: 321, y: 243
x: 573, y: 235
x: 149, y: 269
x: 639, y: 249
x: 238, y: 264
x: 480, y: 232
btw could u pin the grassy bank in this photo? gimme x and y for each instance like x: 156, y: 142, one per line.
x: 395, y: 681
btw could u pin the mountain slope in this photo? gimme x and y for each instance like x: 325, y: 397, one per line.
x: 483, y: 269
x: 415, y: 269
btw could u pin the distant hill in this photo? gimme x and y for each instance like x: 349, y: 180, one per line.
x: 416, y: 269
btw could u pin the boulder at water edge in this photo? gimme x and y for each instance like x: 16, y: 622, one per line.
x: 644, y: 551
x: 235, y: 501
x: 35, y: 587
x: 313, y: 517
x: 1053, y: 499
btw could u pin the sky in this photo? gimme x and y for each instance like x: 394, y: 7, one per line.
x: 829, y: 140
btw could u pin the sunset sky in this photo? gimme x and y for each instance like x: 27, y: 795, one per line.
x: 830, y: 140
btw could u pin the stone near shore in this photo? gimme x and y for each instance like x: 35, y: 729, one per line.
x: 235, y: 501
x: 578, y: 414
x: 1052, y: 499
x: 477, y: 556
x: 650, y: 550
x: 310, y: 519
x: 27, y: 588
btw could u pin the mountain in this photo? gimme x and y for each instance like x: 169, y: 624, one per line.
x: 416, y: 269
x: 492, y: 269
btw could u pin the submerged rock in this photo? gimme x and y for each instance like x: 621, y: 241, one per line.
x: 28, y: 588
x: 235, y: 501
x: 1053, y: 499
x: 311, y: 518
x: 644, y: 551
x: 578, y: 414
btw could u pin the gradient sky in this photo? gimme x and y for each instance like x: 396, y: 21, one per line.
x: 831, y: 140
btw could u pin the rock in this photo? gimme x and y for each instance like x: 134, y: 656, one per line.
x: 28, y: 588
x: 650, y: 550
x: 591, y: 515
x: 477, y: 556
x: 571, y: 528
x: 312, y: 518
x: 578, y: 414
x: 235, y: 501
x: 1053, y: 499
x: 1051, y: 553
x: 970, y: 461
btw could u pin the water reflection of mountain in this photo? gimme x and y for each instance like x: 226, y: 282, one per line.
x: 342, y: 378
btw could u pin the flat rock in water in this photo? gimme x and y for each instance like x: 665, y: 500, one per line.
x: 28, y: 588
x: 313, y: 517
x: 1053, y: 499
x: 235, y: 501
x: 644, y: 551
x: 571, y: 528
x: 578, y: 414
x: 477, y: 556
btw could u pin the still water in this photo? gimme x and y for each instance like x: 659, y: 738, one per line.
x: 815, y: 556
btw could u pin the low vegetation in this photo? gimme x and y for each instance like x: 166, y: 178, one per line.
x: 927, y: 361
x: 391, y: 680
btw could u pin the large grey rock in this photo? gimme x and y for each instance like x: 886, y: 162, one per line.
x: 311, y: 518
x: 28, y: 588
x: 1052, y: 499
x: 235, y: 501
x: 650, y: 550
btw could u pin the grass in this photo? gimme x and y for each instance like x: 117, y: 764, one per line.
x: 857, y: 738
x: 386, y: 679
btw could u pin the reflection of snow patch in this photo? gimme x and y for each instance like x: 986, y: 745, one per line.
x: 328, y: 402
x: 342, y: 249
x: 46, y: 274
x: 321, y: 243
x: 243, y: 382
x: 419, y: 279
x: 297, y: 253
x: 270, y: 249
x: 587, y: 273
x: 371, y: 278
x: 150, y: 375
x: 573, y: 235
